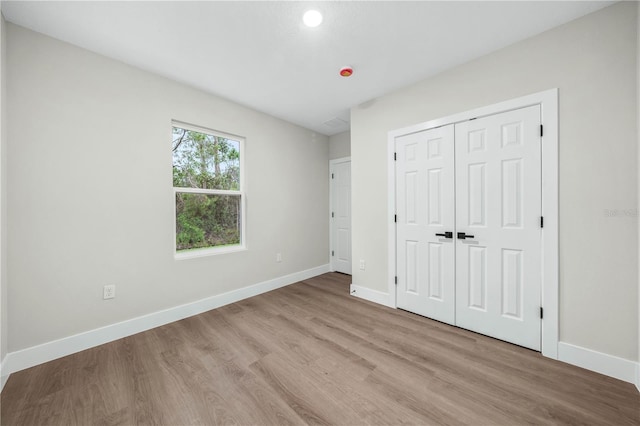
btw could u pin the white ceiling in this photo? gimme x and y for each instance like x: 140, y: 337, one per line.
x: 261, y: 55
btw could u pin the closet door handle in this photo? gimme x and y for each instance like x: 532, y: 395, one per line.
x: 446, y: 235
x: 462, y: 236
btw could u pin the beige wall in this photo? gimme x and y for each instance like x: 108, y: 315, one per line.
x: 90, y: 199
x: 3, y: 194
x: 340, y: 145
x: 592, y: 61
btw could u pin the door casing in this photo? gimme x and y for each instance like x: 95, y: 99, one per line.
x: 548, y: 101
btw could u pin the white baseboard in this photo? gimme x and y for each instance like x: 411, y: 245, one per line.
x: 638, y: 376
x: 3, y: 375
x: 29, y: 357
x: 374, y: 296
x: 609, y: 365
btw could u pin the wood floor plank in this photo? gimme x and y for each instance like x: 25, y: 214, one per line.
x: 311, y: 354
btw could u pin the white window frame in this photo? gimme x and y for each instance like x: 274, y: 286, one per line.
x: 211, y: 251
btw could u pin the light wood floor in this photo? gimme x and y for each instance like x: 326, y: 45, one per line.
x: 311, y: 354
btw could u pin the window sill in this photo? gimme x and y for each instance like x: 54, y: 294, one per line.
x: 195, y: 253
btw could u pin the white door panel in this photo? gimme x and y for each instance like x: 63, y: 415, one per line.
x: 425, y: 207
x: 341, y: 217
x: 480, y: 178
x: 498, y: 207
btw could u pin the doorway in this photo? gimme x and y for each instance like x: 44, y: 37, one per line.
x: 340, y: 215
x: 474, y: 203
x: 468, y: 204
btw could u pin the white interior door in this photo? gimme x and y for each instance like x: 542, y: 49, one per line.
x: 498, y: 209
x: 425, y: 214
x: 480, y: 180
x: 341, y: 216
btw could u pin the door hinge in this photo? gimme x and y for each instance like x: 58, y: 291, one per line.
x: 331, y: 252
x: 541, y: 312
x: 541, y: 221
x: 395, y: 218
x: 331, y: 214
x: 541, y: 130
x: 331, y: 175
x: 395, y: 156
x: 396, y: 280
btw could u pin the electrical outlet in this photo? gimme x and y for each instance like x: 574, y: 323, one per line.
x: 362, y: 265
x: 109, y: 291
x: 278, y: 257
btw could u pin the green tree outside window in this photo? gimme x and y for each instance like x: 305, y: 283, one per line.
x: 206, y: 179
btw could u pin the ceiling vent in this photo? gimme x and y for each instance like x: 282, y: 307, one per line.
x: 335, y: 123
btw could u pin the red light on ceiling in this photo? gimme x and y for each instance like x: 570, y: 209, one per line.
x: 346, y: 71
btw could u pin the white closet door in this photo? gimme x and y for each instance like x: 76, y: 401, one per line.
x: 425, y: 207
x: 498, y: 208
x: 341, y: 217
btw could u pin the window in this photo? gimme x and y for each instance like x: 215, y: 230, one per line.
x: 207, y: 183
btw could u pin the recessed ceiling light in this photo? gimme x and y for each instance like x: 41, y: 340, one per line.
x: 312, y: 18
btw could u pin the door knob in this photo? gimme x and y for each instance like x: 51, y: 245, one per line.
x: 462, y: 236
x: 446, y: 235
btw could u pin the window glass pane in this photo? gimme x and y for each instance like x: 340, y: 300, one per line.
x: 207, y: 220
x: 202, y: 160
